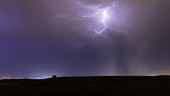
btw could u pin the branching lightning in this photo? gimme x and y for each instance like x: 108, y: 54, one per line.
x: 104, y: 17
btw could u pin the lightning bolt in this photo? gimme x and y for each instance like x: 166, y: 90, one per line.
x: 104, y: 15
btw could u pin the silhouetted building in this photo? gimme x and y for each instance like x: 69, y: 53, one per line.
x: 54, y: 76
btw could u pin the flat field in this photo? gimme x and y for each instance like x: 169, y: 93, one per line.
x: 115, y: 86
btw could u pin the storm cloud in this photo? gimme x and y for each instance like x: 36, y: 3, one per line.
x: 52, y: 37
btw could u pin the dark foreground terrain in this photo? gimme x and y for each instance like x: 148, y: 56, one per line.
x: 115, y: 86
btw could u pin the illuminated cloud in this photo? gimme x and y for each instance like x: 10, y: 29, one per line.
x: 39, y: 36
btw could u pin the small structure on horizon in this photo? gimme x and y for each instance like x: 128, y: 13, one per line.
x: 54, y: 76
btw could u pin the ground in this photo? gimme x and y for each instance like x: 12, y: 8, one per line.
x: 138, y: 86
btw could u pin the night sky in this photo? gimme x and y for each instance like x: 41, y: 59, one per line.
x: 46, y: 37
